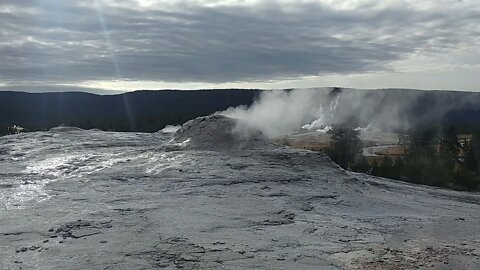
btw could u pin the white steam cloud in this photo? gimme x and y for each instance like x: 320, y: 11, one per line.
x: 281, y: 112
x: 170, y: 129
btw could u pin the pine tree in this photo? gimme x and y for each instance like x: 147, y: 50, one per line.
x: 472, y: 155
x: 345, y: 147
x: 386, y: 167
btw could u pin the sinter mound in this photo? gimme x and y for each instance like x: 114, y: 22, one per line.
x: 218, y: 131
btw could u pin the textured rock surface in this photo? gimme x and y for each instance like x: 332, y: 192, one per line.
x: 65, y: 129
x: 98, y: 200
x: 217, y: 132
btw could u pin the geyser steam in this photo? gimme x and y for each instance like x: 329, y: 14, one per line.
x: 280, y: 112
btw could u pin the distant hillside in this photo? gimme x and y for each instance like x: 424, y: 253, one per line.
x: 146, y: 111
x: 405, y: 108
x: 150, y: 111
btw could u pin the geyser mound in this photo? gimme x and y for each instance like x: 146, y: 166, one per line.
x: 219, y: 132
x: 61, y: 129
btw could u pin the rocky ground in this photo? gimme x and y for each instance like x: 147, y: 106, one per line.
x: 74, y: 199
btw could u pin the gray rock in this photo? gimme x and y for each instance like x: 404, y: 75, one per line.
x: 218, y: 132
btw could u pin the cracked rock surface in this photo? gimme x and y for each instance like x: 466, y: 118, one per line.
x: 77, y: 199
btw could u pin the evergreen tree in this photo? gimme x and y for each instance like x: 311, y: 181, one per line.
x: 345, y: 146
x: 361, y: 165
x: 386, y: 167
x: 449, y: 149
x: 374, y: 170
x: 398, y: 169
x: 466, y: 179
x: 472, y: 154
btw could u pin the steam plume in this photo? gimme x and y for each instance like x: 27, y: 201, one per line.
x: 280, y: 112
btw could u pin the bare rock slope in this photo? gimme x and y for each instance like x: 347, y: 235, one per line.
x: 99, y: 200
x: 219, y: 132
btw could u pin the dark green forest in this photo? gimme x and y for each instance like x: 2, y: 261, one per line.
x: 150, y: 111
x: 142, y: 111
x: 434, y: 157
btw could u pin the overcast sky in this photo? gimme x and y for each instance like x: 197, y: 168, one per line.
x: 190, y: 44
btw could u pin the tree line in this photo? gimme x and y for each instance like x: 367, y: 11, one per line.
x: 140, y: 111
x: 433, y: 157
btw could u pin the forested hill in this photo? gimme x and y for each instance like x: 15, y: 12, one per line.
x: 418, y: 108
x: 145, y: 111
x: 150, y: 111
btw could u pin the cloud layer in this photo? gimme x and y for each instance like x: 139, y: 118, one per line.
x: 51, y: 41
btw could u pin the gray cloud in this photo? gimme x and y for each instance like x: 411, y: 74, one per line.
x: 65, y: 41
